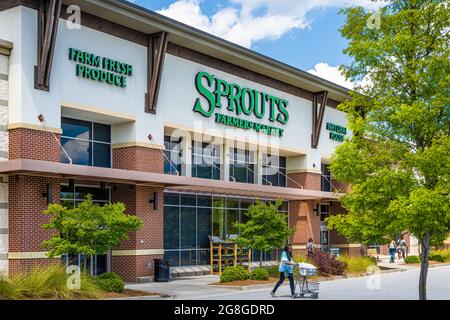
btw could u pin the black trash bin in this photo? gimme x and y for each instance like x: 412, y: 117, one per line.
x: 162, y: 270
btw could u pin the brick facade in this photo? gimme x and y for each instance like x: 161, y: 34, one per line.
x: 27, y: 201
x: 138, y: 158
x: 26, y: 143
x: 19, y: 266
x: 149, y: 236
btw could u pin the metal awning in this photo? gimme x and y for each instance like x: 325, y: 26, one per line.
x: 171, y: 182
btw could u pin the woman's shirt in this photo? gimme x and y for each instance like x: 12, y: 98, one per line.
x: 286, y: 268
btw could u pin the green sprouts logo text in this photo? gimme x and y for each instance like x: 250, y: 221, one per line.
x: 241, y: 101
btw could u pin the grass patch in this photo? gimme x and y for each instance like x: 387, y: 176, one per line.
x: 442, y: 255
x: 47, y: 283
x: 357, y: 264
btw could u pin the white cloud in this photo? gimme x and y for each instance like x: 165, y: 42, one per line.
x: 330, y: 73
x: 247, y: 21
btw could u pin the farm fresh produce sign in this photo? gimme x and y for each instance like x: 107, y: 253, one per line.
x: 103, y: 69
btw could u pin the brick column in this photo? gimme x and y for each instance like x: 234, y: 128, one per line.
x: 134, y: 257
x: 301, y: 215
x: 305, y: 223
x: 25, y: 217
x: 4, y: 62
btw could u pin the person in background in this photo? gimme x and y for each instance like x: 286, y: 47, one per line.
x: 286, y: 268
x: 392, y: 249
x: 401, y: 249
x: 310, y: 249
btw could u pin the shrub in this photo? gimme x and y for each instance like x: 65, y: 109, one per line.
x: 328, y: 264
x: 445, y: 253
x: 110, y: 282
x: 273, y: 271
x: 357, y: 264
x: 412, y: 259
x: 7, y: 291
x: 259, y: 274
x: 436, y: 257
x: 234, y: 273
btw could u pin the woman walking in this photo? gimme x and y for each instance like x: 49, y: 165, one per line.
x: 392, y: 249
x: 286, y: 268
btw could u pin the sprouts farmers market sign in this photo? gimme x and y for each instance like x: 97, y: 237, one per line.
x: 103, y: 69
x: 241, y: 102
x: 337, y: 133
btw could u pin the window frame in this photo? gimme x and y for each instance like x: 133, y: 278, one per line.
x: 91, y: 141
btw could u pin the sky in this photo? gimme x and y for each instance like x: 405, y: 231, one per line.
x: 302, y: 33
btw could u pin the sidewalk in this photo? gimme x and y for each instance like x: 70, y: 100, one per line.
x: 187, y: 288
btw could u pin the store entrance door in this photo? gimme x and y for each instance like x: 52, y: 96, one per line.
x: 324, y: 237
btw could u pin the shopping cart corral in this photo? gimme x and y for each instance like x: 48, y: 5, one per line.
x: 307, y: 289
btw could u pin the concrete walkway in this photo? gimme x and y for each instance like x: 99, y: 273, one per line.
x: 182, y: 288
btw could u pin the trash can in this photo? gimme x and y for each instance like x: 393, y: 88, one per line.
x: 162, y: 270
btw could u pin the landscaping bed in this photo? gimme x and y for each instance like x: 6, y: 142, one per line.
x: 54, y: 283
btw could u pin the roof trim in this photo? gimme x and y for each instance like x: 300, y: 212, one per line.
x: 180, y: 29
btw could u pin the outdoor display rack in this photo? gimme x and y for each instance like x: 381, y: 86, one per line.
x: 227, y: 253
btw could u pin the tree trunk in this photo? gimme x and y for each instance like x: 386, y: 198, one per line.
x: 85, y: 264
x: 260, y: 258
x: 424, y: 252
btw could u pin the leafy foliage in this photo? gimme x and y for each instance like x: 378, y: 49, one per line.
x: 273, y: 271
x: 88, y: 228
x: 259, y: 274
x: 397, y: 158
x: 234, y: 273
x: 437, y: 257
x: 328, y: 264
x: 110, y: 282
x: 357, y: 264
x: 412, y: 259
x: 265, y: 229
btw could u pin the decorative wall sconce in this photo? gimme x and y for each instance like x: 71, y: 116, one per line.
x: 317, y: 209
x: 48, y: 193
x: 154, y: 201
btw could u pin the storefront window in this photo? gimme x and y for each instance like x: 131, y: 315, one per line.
x: 205, y: 160
x: 274, y: 170
x: 73, y: 194
x: 189, y: 220
x: 86, y: 143
x: 325, y: 180
x: 242, y: 165
x: 172, y: 152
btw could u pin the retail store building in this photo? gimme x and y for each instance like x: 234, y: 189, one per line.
x: 184, y: 128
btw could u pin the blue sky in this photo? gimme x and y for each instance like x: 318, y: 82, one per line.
x: 301, y: 33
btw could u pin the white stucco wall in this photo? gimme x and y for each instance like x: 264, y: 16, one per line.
x: 176, y: 99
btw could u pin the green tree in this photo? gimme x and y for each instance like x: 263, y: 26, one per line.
x: 398, y: 157
x: 265, y: 229
x: 88, y: 228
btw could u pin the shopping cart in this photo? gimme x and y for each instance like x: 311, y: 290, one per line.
x: 306, y: 288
